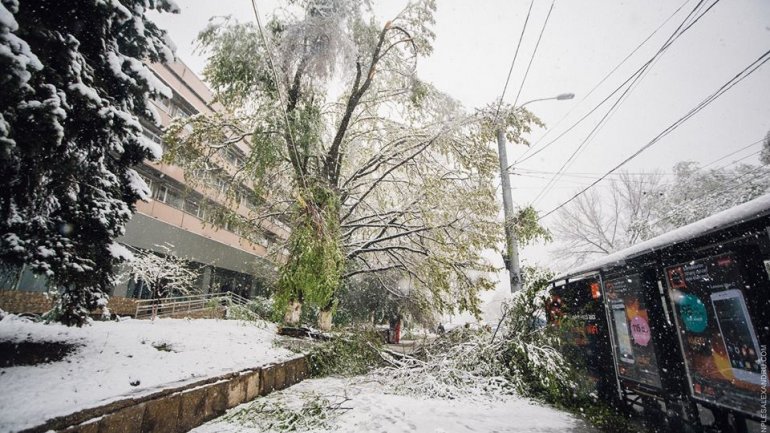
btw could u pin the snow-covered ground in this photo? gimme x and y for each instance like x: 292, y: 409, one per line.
x: 119, y: 358
x: 373, y: 408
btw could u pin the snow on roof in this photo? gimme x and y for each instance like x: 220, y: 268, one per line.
x: 730, y: 217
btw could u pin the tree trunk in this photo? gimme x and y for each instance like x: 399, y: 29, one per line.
x: 325, y: 320
x: 293, y: 312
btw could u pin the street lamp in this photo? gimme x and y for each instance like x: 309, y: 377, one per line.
x: 514, y: 270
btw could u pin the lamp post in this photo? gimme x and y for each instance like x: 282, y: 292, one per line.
x: 512, y: 245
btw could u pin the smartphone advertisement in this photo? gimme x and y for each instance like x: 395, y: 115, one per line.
x: 635, y: 358
x: 718, y: 338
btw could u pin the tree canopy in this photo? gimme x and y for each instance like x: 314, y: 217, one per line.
x: 376, y: 170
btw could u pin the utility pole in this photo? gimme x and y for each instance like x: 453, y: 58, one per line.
x: 514, y: 271
x: 512, y: 244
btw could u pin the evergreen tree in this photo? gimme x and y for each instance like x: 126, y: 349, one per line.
x: 73, y: 86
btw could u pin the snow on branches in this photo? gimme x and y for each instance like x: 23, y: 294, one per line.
x: 165, y: 274
x: 329, y: 100
x: 71, y: 100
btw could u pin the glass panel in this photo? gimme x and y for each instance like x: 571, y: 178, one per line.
x: 635, y: 356
x: 718, y: 339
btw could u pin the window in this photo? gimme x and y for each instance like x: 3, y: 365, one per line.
x: 195, y: 207
x: 152, y: 136
x: 177, y: 109
x: 165, y: 194
x: 191, y: 207
x: 159, y: 191
x: 146, y: 180
x: 174, y: 198
x: 165, y: 103
x: 232, y: 157
x: 220, y: 184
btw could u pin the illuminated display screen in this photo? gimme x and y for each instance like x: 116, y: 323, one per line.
x: 718, y: 339
x: 634, y: 350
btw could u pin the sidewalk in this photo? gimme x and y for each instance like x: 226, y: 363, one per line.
x: 109, y: 361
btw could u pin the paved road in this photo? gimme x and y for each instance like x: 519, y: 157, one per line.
x: 367, y: 406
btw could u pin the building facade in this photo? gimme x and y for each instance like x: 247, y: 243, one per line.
x: 179, y: 214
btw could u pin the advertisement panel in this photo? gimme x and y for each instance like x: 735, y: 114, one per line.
x: 634, y: 350
x: 718, y: 339
x: 577, y: 309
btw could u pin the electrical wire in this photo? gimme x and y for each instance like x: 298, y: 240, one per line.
x: 743, y: 74
x: 534, y: 52
x: 639, y: 75
x: 513, y: 62
x: 594, y: 176
x: 677, y: 33
x: 523, y: 157
x: 733, y: 153
x: 685, y: 204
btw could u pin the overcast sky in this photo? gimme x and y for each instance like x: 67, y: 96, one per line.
x: 583, y: 41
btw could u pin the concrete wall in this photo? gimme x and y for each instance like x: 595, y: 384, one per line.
x: 182, y: 408
x: 19, y: 302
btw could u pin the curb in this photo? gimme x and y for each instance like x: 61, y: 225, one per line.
x: 182, y: 408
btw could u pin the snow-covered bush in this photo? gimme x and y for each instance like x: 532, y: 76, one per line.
x: 520, y: 357
x: 164, y: 274
x: 73, y: 87
x: 530, y: 348
x: 460, y: 364
x: 258, y: 310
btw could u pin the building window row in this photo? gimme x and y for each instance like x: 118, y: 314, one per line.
x: 176, y: 108
x: 196, y: 205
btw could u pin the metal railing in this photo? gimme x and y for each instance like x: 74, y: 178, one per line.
x: 166, y: 307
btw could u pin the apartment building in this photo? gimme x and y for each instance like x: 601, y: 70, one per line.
x: 178, y: 215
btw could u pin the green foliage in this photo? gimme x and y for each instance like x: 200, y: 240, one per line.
x: 348, y: 355
x: 530, y: 348
x: 235, y: 79
x: 388, y: 174
x: 273, y: 414
x: 527, y: 227
x: 533, y: 353
x: 258, y: 309
x: 313, y: 270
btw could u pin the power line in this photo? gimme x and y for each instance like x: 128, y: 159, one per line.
x: 733, y: 153
x: 636, y: 78
x: 597, y: 85
x: 748, y: 70
x: 633, y: 76
x: 534, y: 52
x: 513, y: 62
x: 595, y: 175
x: 293, y: 144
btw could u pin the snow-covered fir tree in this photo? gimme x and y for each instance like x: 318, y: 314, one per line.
x: 73, y: 86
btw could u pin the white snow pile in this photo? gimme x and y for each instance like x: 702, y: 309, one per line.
x: 116, y: 359
x: 354, y: 405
